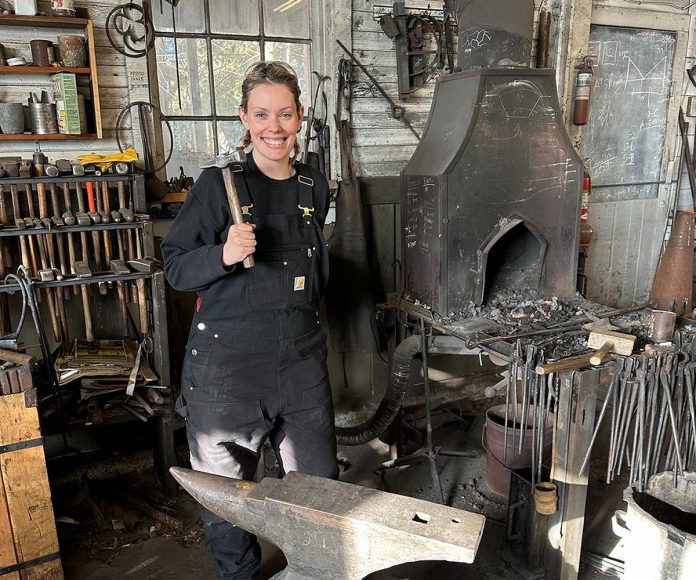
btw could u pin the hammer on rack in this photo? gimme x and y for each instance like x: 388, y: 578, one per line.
x: 237, y: 212
x: 606, y: 341
x: 603, y: 337
x: 333, y: 529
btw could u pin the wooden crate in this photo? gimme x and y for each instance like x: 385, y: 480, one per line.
x: 28, y: 539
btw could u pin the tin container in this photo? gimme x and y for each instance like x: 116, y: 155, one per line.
x: 662, y: 325
x: 73, y: 51
x: 63, y: 8
x: 39, y: 52
x: 43, y: 118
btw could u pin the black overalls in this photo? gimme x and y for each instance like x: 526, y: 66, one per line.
x: 266, y: 375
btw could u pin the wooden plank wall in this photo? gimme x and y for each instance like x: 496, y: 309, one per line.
x: 121, y: 81
x: 381, y: 145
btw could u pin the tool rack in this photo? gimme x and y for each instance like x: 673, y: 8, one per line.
x: 131, y: 242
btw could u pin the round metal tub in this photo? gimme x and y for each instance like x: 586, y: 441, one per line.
x: 658, y: 529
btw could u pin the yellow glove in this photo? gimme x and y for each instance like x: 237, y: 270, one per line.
x: 105, y: 161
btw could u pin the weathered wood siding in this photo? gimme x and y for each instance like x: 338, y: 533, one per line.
x: 121, y: 81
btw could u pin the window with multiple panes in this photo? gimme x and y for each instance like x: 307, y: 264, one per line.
x: 203, y: 48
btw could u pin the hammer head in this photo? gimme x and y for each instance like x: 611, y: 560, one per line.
x: 221, y: 161
x: 64, y: 166
x: 622, y: 343
x: 51, y: 170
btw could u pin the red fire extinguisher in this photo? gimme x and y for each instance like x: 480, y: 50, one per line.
x: 583, y: 88
x: 586, y: 231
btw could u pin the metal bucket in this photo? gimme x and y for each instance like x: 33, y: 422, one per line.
x: 499, y: 464
x: 658, y: 544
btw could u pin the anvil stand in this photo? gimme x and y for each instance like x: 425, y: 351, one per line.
x: 429, y: 451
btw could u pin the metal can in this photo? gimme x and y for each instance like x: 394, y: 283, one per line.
x: 63, y: 8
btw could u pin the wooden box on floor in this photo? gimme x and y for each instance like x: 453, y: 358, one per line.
x: 28, y: 540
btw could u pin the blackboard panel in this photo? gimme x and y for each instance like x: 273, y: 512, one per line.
x: 624, y: 138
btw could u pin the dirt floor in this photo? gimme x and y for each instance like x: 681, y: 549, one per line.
x: 123, y: 528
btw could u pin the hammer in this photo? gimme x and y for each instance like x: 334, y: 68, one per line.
x: 607, y: 341
x: 223, y: 162
x: 333, y: 529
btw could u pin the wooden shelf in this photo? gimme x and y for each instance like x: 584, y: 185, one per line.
x: 46, y: 137
x: 43, y: 21
x: 58, y: 22
x: 43, y: 70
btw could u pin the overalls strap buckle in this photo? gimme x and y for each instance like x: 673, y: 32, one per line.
x: 305, y: 194
x: 242, y: 189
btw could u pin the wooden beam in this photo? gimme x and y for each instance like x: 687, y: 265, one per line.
x: 575, y: 419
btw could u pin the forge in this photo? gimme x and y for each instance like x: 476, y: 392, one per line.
x: 491, y: 197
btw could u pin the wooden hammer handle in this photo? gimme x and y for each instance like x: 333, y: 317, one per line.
x: 235, y: 206
x: 576, y: 362
x: 600, y: 355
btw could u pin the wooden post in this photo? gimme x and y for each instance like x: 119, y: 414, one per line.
x: 575, y: 421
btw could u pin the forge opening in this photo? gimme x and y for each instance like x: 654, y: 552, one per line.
x: 515, y: 260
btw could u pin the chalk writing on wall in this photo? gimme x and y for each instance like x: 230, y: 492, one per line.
x: 623, y: 142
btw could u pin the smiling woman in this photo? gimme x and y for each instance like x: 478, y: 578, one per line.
x: 255, y: 363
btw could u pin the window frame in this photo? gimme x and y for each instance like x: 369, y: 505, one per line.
x: 260, y: 39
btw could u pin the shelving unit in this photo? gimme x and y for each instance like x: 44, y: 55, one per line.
x: 56, y: 22
x: 101, y: 295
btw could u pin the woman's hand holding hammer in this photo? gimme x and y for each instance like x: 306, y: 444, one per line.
x: 241, y: 242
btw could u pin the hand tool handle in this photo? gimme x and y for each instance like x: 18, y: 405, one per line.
x: 576, y: 362
x: 600, y: 355
x: 235, y: 206
x: 90, y: 197
x: 89, y: 329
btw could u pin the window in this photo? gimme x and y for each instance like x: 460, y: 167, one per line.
x: 203, y: 48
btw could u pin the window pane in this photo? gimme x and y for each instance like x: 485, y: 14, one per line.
x: 193, y: 76
x: 189, y: 16
x: 237, y: 17
x: 231, y: 58
x: 297, y: 56
x: 230, y: 135
x: 193, y: 146
x: 288, y: 18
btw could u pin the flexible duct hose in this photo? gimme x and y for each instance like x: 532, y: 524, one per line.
x: 393, y: 398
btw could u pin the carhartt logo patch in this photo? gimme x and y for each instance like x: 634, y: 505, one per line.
x: 299, y: 283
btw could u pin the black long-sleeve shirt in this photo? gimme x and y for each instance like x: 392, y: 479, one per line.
x: 192, y: 249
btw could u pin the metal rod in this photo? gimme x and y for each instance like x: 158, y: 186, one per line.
x: 618, y: 367
x: 397, y: 111
x: 672, y: 420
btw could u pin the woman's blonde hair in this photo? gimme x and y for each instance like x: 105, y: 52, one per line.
x: 270, y: 72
